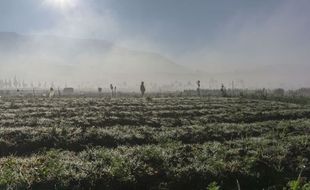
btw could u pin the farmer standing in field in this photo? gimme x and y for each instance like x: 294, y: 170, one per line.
x: 51, y: 93
x: 198, y: 87
x: 142, y: 88
x: 112, y: 92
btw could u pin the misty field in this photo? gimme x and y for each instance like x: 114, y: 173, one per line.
x: 153, y: 143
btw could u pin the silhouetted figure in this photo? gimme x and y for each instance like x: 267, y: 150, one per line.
x: 99, y: 90
x: 115, y: 91
x: 111, y: 87
x: 52, y: 92
x: 223, y: 90
x: 264, y: 93
x: 198, y: 88
x: 142, y: 88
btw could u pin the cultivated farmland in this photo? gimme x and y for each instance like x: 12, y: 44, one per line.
x: 153, y: 143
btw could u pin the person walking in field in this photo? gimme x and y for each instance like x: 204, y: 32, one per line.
x: 142, y: 88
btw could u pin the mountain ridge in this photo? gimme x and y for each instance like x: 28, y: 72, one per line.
x: 77, y: 50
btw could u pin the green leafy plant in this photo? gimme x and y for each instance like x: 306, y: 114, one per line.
x: 213, y: 186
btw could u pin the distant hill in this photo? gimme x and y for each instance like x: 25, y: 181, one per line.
x: 65, y: 58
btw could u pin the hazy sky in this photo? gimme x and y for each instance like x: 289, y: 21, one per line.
x: 205, y: 33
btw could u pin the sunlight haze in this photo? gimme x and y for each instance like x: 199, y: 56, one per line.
x: 264, y: 43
